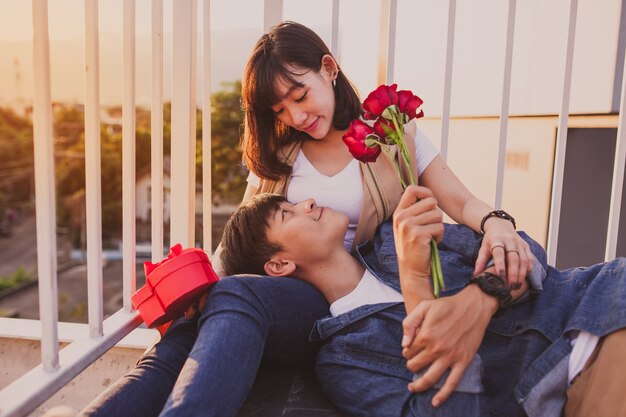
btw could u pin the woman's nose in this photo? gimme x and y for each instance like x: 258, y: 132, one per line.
x: 298, y: 118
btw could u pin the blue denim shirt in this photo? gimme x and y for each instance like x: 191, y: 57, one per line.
x: 525, y: 351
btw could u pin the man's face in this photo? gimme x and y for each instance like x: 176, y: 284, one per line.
x: 306, y: 232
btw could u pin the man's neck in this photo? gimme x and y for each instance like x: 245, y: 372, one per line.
x: 336, y: 276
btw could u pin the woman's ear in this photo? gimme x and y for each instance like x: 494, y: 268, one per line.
x: 330, y: 67
x: 278, y: 267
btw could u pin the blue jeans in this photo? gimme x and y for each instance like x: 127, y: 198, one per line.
x: 245, y: 318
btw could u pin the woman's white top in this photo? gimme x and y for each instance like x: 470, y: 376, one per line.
x: 370, y: 290
x: 343, y: 191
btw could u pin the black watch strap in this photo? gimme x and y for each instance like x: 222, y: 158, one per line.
x: 495, y: 286
x: 496, y: 213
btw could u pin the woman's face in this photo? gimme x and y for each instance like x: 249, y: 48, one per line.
x: 308, y: 106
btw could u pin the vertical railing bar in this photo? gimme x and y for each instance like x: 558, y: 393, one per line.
x: 618, y: 179
x: 391, y: 43
x: 182, y: 213
x: 504, y: 111
x: 385, y: 39
x: 156, y: 132
x: 334, y: 30
x: 561, y: 140
x: 207, y: 189
x: 93, y: 170
x: 447, y: 83
x: 44, y: 188
x: 128, y: 156
x: 273, y: 12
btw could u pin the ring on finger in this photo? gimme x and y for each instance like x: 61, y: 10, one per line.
x: 498, y: 245
x: 513, y: 251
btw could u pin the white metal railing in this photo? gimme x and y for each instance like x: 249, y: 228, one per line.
x: 561, y: 141
x: 57, y: 368
x: 618, y: 177
x: 128, y: 157
x: 447, y: 81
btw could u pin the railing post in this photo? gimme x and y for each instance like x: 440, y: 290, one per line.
x: 156, y: 132
x: 387, y: 46
x: 561, y: 140
x: 272, y: 13
x: 334, y: 30
x: 504, y: 110
x: 447, y: 82
x: 92, y: 170
x: 128, y: 156
x: 45, y: 200
x: 618, y: 178
x: 207, y: 222
x: 182, y: 213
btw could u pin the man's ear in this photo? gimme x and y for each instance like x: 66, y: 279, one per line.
x: 279, y: 267
x: 329, y: 66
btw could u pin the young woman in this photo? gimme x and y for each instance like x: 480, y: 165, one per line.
x: 298, y: 104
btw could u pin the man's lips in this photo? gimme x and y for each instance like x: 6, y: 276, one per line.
x: 312, y: 126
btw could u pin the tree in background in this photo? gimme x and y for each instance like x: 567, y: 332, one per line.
x: 228, y: 178
x: 16, y: 157
x: 16, y: 161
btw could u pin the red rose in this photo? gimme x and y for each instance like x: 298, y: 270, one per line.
x: 355, y: 141
x: 386, y: 130
x: 379, y: 99
x: 408, y: 103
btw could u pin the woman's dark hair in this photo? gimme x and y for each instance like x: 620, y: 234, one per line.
x: 245, y: 246
x: 286, y: 44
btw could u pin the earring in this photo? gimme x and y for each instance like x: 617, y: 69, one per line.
x: 334, y: 82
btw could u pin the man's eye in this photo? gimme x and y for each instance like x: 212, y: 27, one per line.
x: 284, y: 213
x: 301, y: 99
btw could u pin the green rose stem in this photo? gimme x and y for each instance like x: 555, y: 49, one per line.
x: 435, y: 262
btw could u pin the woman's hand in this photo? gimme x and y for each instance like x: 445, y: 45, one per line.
x: 445, y: 334
x: 511, y: 254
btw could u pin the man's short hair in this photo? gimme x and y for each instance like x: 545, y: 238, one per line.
x: 245, y: 246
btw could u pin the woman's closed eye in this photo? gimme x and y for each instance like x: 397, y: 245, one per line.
x: 302, y: 97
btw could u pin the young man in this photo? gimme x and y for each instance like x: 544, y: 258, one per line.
x: 522, y: 363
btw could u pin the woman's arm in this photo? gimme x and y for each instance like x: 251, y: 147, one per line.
x: 510, y: 252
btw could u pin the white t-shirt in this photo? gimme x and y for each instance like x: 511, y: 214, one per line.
x: 370, y: 290
x: 343, y: 191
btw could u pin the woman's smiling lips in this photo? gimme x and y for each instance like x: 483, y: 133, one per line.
x: 312, y: 126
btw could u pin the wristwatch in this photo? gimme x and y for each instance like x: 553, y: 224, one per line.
x: 496, y: 213
x: 495, y: 286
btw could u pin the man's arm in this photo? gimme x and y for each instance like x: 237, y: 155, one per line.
x: 416, y: 221
x: 440, y: 334
x: 446, y: 334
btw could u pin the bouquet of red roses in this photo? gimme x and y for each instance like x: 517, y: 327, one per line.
x: 390, y: 110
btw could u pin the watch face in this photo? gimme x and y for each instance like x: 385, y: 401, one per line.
x: 493, y: 280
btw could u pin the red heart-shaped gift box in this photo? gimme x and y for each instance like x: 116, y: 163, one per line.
x: 173, y: 284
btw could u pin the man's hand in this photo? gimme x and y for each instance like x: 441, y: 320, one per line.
x: 445, y: 334
x: 416, y: 221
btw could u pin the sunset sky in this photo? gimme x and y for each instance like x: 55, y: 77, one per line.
x: 538, y: 60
